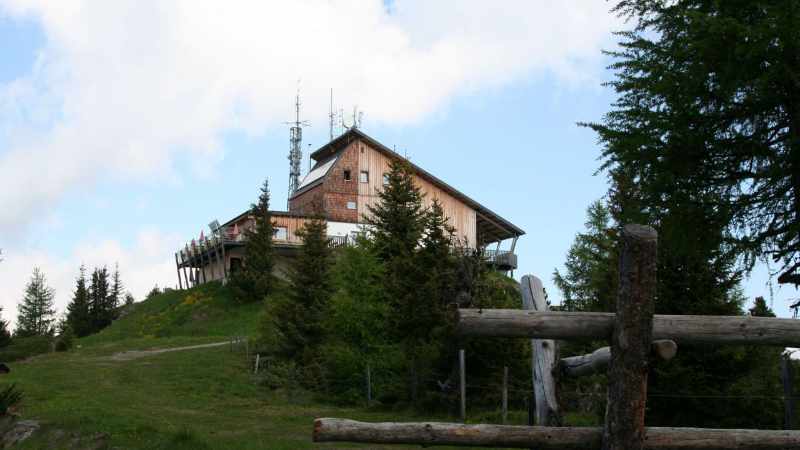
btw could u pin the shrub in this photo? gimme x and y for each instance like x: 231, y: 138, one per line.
x: 21, y: 348
x: 9, y: 397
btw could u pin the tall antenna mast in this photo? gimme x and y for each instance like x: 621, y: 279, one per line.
x: 331, y: 115
x: 295, y: 143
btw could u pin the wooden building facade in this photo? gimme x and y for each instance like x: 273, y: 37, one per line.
x: 346, y: 179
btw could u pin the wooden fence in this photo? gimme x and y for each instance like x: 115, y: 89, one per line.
x: 636, y: 336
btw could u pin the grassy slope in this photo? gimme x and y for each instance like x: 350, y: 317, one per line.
x: 196, y: 399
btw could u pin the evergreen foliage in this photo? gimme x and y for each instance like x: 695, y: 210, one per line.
x: 78, y: 316
x: 5, y: 333
x: 698, y: 146
x: 129, y: 300
x: 382, y: 305
x: 590, y: 280
x: 708, y: 105
x: 310, y: 290
x: 117, y: 289
x: 36, y: 311
x: 254, y: 282
x: 101, y: 302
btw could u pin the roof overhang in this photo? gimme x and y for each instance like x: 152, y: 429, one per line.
x: 491, y: 227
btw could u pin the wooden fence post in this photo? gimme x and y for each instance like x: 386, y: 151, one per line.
x: 631, y: 340
x: 462, y: 370
x: 544, y: 358
x: 788, y: 391
x: 505, y: 394
x: 369, y: 386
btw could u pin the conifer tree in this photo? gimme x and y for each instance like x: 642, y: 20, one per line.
x: 36, y: 312
x: 398, y: 224
x: 698, y: 145
x: 5, y: 334
x: 117, y: 289
x: 78, y: 316
x: 589, y: 282
x: 310, y: 281
x: 255, y: 281
x: 99, y: 293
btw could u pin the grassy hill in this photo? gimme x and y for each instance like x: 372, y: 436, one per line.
x: 205, y: 311
x: 194, y: 399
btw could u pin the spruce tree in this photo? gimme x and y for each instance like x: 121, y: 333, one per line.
x: 99, y: 293
x: 36, y: 312
x: 589, y: 282
x: 117, y: 290
x: 397, y: 225
x: 310, y: 281
x: 5, y: 333
x: 78, y: 316
x: 255, y: 281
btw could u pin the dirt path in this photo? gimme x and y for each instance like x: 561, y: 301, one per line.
x: 136, y: 354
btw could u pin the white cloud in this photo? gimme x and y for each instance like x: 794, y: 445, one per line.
x: 123, y: 87
x: 142, y: 265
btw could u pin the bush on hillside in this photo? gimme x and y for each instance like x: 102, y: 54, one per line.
x: 22, y: 348
x: 10, y: 396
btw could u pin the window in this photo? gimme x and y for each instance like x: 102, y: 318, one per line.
x: 280, y: 233
x: 347, y: 175
x: 351, y: 205
x: 385, y: 179
x: 363, y: 176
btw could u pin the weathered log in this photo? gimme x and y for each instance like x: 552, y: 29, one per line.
x: 588, y: 325
x: 544, y: 358
x: 631, y: 340
x: 544, y: 438
x: 597, y: 361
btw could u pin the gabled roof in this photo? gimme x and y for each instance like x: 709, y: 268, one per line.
x: 491, y: 226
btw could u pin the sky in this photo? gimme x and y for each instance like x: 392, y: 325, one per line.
x: 127, y: 126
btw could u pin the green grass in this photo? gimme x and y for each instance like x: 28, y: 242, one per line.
x: 21, y: 348
x: 207, y: 310
x: 194, y: 399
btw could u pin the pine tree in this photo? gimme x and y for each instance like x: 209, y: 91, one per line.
x: 255, y: 281
x: 708, y: 100
x: 5, y: 334
x: 78, y: 316
x: 117, y: 289
x: 36, y: 312
x: 690, y: 149
x: 589, y: 282
x: 99, y: 294
x: 398, y: 223
x: 310, y: 281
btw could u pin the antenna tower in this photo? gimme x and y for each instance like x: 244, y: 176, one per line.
x: 295, y: 142
x: 331, y: 115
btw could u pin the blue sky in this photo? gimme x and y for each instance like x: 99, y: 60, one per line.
x: 125, y: 130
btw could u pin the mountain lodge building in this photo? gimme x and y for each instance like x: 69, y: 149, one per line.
x: 346, y: 178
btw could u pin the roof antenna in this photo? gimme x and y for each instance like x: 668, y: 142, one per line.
x: 295, y: 143
x: 331, y: 115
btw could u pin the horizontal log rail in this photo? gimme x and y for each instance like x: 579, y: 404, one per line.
x: 589, y: 325
x: 544, y: 438
x: 598, y: 360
